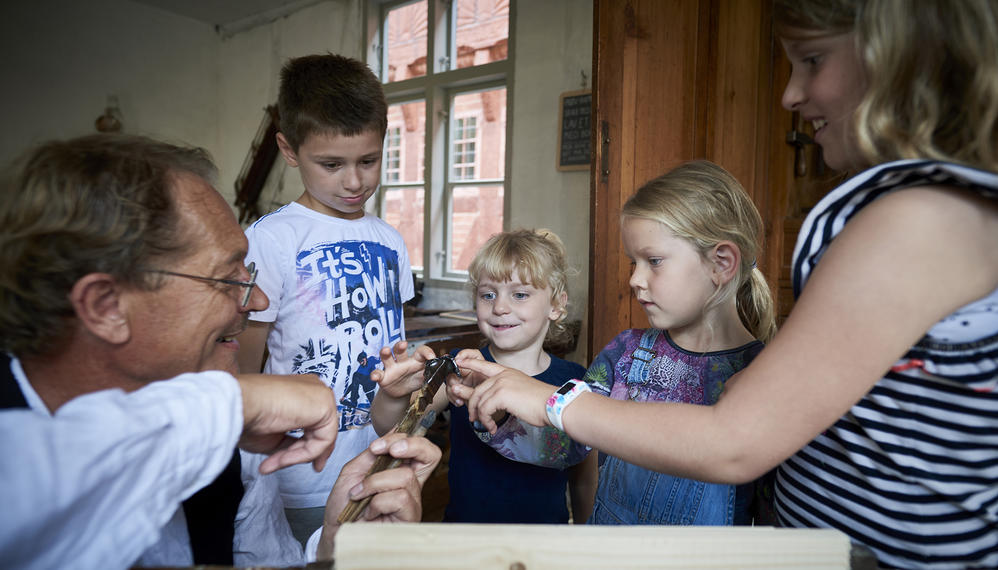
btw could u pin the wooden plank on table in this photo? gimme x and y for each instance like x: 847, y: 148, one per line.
x: 529, y: 547
x: 461, y: 315
x: 435, y: 325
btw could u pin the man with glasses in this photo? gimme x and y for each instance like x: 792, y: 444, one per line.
x: 123, y: 266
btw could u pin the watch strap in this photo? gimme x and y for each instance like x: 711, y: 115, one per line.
x: 561, y: 398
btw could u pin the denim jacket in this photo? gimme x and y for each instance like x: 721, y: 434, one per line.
x: 645, y: 366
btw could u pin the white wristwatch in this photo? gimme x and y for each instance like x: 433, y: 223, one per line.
x: 561, y: 398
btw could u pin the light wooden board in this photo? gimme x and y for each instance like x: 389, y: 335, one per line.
x: 535, y: 547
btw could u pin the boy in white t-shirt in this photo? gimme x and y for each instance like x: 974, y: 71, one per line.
x: 335, y: 275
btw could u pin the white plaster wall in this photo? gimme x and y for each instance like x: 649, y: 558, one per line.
x: 553, y: 50
x: 249, y: 68
x: 62, y: 58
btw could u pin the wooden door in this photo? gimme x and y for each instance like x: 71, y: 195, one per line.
x: 674, y: 80
x: 677, y: 80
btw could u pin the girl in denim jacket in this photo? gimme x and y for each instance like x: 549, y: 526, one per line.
x: 693, y: 237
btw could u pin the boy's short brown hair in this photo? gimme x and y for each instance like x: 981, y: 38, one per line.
x: 328, y: 93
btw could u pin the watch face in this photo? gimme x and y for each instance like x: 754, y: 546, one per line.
x: 566, y: 388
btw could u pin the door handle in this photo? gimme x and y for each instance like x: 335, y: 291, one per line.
x: 799, y: 140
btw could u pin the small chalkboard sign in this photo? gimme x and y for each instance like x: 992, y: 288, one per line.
x: 574, y: 138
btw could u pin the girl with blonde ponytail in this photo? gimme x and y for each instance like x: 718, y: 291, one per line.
x: 702, y: 203
x: 693, y: 237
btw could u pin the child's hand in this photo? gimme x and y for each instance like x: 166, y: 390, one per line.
x: 468, y: 377
x: 502, y: 389
x: 403, y: 374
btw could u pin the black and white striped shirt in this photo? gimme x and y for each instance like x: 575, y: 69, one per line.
x: 911, y: 471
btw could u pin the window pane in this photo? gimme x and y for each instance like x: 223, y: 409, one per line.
x: 478, y: 135
x: 476, y: 215
x: 405, y: 49
x: 482, y: 31
x: 465, y: 135
x: 392, y: 162
x: 403, y: 161
x: 403, y: 209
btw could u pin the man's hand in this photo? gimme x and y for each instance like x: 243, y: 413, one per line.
x: 274, y: 405
x: 396, y: 493
x: 498, y: 388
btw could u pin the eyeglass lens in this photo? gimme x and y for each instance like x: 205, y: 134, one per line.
x: 252, y: 283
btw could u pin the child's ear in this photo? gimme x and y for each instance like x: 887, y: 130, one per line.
x: 99, y: 307
x: 289, y: 154
x: 725, y: 257
x: 558, y: 306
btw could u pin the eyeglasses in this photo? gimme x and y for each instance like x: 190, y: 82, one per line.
x: 247, y: 284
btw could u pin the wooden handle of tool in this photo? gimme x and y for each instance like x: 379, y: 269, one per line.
x: 354, y: 508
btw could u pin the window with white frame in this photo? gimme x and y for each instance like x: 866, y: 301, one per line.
x: 444, y: 65
x: 392, y: 162
x: 463, y: 147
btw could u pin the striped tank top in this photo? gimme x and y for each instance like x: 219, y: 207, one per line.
x: 911, y: 471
